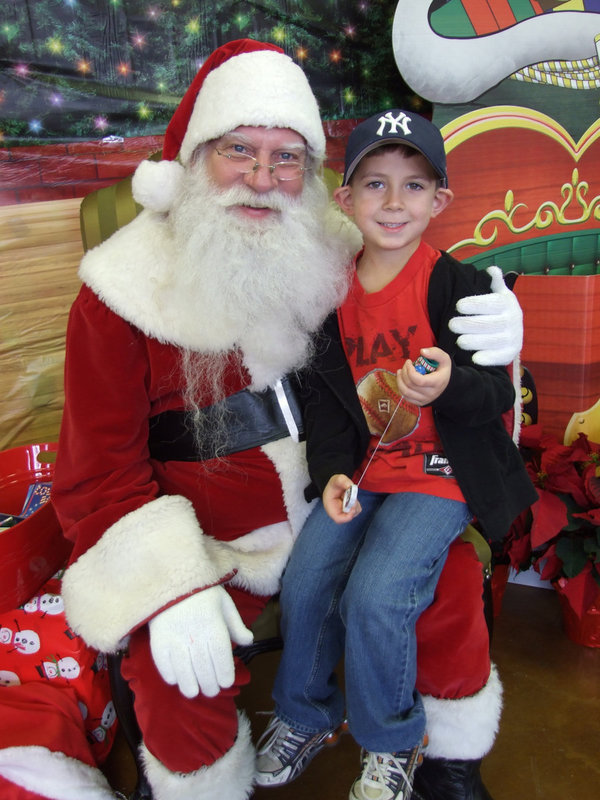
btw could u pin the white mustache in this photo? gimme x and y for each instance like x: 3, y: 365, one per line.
x: 459, y: 70
x: 244, y: 196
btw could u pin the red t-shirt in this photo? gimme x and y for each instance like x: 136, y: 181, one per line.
x: 380, y: 330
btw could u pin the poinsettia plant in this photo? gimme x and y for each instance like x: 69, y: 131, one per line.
x: 560, y: 534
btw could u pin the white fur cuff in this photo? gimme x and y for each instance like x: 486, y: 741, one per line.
x: 231, y: 776
x: 464, y: 728
x: 53, y: 774
x: 142, y: 563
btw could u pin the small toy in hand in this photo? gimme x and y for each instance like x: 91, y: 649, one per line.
x: 425, y: 365
x: 350, y: 496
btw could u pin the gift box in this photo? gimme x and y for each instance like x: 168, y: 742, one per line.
x: 32, y: 549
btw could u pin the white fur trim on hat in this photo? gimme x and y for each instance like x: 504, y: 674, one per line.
x: 156, y: 184
x: 263, y: 88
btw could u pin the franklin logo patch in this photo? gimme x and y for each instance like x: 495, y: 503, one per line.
x: 436, y: 464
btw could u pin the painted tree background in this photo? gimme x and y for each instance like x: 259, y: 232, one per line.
x: 83, y: 69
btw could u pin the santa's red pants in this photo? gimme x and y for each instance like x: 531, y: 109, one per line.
x: 453, y: 646
x: 453, y: 662
x: 185, y: 734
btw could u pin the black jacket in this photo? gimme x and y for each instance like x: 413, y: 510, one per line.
x: 468, y: 414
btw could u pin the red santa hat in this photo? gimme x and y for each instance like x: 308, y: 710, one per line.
x: 243, y: 82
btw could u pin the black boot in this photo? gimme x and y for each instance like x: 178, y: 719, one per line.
x: 449, y: 779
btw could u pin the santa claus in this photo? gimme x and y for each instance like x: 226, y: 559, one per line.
x: 180, y: 475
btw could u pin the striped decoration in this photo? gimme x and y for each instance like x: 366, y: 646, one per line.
x: 468, y: 18
x: 566, y: 74
x: 471, y: 18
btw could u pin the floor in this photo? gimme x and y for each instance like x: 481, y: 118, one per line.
x: 548, y: 747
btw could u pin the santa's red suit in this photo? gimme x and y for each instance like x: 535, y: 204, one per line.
x: 150, y: 532
x: 58, y: 720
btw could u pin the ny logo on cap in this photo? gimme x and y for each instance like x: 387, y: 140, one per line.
x: 401, y: 121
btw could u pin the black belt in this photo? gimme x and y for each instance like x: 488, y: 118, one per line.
x: 252, y: 419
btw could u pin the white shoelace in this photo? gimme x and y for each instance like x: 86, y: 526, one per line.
x: 389, y: 770
x: 281, y: 740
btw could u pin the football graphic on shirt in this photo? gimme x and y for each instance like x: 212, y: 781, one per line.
x: 379, y: 398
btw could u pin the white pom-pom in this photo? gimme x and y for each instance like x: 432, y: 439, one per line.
x: 155, y: 184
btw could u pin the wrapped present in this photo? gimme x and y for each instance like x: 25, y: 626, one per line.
x: 37, y: 495
x: 32, y: 550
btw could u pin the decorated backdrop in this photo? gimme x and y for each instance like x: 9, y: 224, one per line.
x: 515, y: 88
x: 77, y: 69
x: 87, y: 87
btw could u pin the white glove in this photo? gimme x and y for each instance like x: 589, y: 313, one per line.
x: 191, y: 642
x: 494, y: 327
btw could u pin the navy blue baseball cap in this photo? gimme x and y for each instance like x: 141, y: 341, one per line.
x: 393, y: 127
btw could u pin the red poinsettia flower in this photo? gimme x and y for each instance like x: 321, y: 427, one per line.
x: 591, y: 483
x: 558, y: 471
x: 549, y: 518
x: 585, y: 451
x: 593, y: 515
x: 550, y: 565
x: 518, y: 541
x: 560, y: 534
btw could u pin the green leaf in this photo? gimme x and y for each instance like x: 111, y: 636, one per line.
x: 572, y: 554
x: 590, y: 545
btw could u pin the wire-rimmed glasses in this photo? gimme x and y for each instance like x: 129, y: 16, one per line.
x: 280, y: 170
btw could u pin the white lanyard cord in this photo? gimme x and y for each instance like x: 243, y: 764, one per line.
x: 380, y: 441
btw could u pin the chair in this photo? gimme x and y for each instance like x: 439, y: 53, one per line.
x: 102, y: 213
x: 266, y: 632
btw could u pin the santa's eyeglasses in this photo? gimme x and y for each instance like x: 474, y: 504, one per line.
x: 281, y: 170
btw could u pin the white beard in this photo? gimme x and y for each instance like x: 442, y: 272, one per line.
x: 263, y: 287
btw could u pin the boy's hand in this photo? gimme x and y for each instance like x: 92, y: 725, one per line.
x: 420, y: 390
x: 333, y: 499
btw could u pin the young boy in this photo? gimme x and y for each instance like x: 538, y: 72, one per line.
x: 428, y: 451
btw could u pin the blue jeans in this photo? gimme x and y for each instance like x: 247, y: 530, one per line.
x: 356, y: 590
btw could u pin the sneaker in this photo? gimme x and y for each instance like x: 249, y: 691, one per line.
x: 386, y: 776
x: 283, y: 753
